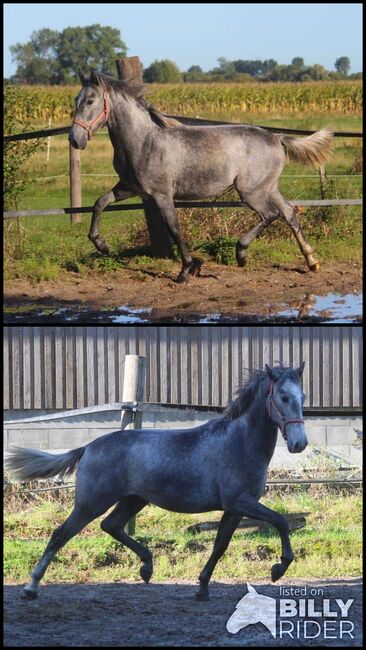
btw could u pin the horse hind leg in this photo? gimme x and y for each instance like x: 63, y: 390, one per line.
x: 268, y: 212
x: 288, y: 212
x: 72, y: 526
x: 114, y: 525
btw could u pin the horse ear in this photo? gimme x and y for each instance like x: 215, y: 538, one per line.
x: 94, y: 76
x: 300, y: 369
x: 81, y: 75
x: 269, y: 372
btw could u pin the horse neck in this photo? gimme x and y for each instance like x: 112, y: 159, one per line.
x: 129, y: 124
x: 260, y: 428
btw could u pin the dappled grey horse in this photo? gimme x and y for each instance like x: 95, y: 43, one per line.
x: 159, y: 158
x: 219, y: 465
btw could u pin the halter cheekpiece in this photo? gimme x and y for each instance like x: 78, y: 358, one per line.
x: 104, y: 114
x: 284, y: 421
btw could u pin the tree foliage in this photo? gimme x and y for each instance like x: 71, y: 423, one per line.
x: 52, y: 57
x: 164, y: 71
x: 343, y: 65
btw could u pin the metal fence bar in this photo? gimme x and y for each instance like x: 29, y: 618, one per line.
x: 154, y: 406
x: 62, y: 130
x: 178, y: 204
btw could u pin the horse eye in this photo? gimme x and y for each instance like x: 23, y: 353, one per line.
x: 90, y: 101
x: 285, y: 399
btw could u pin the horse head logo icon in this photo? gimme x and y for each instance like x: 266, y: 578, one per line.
x: 253, y: 608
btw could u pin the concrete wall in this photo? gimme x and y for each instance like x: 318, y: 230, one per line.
x: 334, y: 434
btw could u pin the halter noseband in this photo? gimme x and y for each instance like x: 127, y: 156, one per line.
x: 284, y: 421
x: 104, y: 114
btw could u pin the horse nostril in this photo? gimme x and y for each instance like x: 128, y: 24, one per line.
x: 299, y: 446
x: 73, y: 142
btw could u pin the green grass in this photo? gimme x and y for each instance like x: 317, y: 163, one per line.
x: 45, y: 248
x: 329, y: 545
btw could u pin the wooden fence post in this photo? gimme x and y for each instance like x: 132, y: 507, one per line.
x: 75, y: 183
x: 133, y: 391
x: 129, y: 69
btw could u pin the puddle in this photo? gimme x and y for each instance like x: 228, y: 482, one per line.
x: 332, y: 308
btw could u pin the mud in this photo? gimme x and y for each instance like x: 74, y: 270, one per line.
x: 220, y: 294
x: 162, y: 614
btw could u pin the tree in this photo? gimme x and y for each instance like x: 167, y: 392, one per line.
x: 343, y: 65
x: 164, y: 71
x: 194, y: 73
x: 52, y: 57
x: 297, y: 62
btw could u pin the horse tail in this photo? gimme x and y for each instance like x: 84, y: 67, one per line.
x: 312, y: 150
x: 28, y: 464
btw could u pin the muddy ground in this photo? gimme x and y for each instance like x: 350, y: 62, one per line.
x: 165, y: 614
x: 235, y: 293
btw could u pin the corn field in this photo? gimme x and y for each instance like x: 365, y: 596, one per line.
x: 41, y: 103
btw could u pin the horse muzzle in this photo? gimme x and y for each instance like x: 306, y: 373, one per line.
x: 78, y: 142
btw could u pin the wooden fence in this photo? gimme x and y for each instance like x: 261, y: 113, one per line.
x: 161, y: 244
x: 77, y: 366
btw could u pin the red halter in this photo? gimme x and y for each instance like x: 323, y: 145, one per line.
x: 284, y: 421
x: 104, y: 114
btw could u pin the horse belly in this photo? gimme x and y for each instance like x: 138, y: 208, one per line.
x: 178, y: 491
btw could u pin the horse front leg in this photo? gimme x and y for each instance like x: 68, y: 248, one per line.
x: 117, y: 193
x: 189, y: 265
x: 225, y: 532
x: 247, y: 506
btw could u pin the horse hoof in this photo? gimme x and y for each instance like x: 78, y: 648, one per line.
x: 28, y: 594
x: 104, y: 248
x: 146, y: 573
x: 276, y: 572
x: 314, y: 267
x: 181, y: 279
x: 195, y: 268
x: 202, y: 597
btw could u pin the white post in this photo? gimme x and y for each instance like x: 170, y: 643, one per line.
x: 133, y: 391
x: 48, y: 141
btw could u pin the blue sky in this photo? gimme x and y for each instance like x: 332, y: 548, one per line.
x: 197, y: 34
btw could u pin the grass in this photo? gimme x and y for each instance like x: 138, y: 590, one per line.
x: 47, y: 248
x: 329, y: 545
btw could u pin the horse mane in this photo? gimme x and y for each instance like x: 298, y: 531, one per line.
x: 136, y: 91
x: 246, y: 395
x: 257, y: 383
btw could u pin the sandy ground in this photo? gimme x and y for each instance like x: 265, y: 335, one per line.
x: 162, y: 614
x: 230, y: 291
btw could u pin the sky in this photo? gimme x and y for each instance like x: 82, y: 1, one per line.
x: 200, y: 33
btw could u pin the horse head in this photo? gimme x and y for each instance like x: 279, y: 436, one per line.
x: 285, y: 403
x: 92, y: 109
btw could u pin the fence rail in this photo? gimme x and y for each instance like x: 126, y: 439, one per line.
x: 11, y: 214
x: 147, y: 407
x: 62, y: 130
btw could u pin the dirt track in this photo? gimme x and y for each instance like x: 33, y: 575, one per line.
x: 229, y: 291
x: 165, y: 614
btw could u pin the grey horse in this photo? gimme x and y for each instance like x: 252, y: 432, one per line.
x: 220, y: 465
x: 159, y: 158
